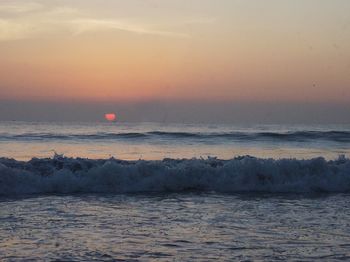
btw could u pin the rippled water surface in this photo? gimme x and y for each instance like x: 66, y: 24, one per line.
x: 181, y: 227
x: 132, y: 141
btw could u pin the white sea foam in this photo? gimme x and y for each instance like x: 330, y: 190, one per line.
x: 241, y: 174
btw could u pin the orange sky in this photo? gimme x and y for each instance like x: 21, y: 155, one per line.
x: 175, y: 50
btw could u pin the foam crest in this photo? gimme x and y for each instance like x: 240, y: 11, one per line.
x: 242, y: 174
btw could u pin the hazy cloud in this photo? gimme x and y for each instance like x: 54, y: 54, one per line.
x: 27, y: 20
x: 86, y: 25
x: 14, y: 7
x: 13, y: 30
x: 20, y: 22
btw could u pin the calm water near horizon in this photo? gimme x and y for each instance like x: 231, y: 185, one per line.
x: 132, y: 141
x: 174, y: 192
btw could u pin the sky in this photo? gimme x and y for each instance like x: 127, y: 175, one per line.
x: 187, y: 59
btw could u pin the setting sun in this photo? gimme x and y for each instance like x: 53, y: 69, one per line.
x: 110, y: 117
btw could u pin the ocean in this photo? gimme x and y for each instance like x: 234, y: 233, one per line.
x: 174, y: 192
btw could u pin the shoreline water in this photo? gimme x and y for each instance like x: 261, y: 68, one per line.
x: 186, y: 227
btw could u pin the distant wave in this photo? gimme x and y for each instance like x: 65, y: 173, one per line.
x: 241, y: 174
x: 336, y: 136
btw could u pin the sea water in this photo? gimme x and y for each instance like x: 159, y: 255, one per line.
x: 174, y: 192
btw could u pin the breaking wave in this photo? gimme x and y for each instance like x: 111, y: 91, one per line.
x: 241, y: 174
x: 337, y: 136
